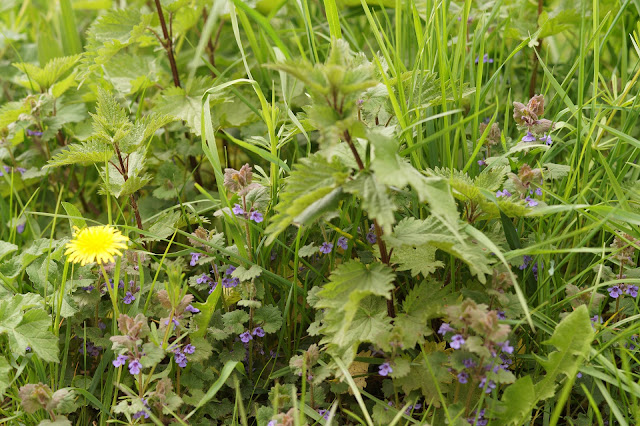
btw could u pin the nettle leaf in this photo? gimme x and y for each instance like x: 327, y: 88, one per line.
x: 11, y: 111
x: 306, y: 251
x: 343, y: 297
x: 375, y: 200
x: 418, y: 260
x: 113, y: 31
x: 186, y: 104
x: 25, y: 326
x: 417, y: 232
x: 312, y: 190
x: 89, y: 152
x: 136, y: 179
x: 43, y: 78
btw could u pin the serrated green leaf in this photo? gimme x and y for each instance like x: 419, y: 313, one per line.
x: 418, y: 260
x: 85, y: 153
x: 375, y: 200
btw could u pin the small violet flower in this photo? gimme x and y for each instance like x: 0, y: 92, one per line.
x: 445, y: 328
x: 503, y: 193
x: 191, y: 309
x: 128, y: 298
x: 632, y: 290
x: 135, y: 367
x: 528, y: 137
x: 194, y: 258
x: 530, y: 201
x: 256, y: 217
x: 546, y: 139
x: 463, y: 377
x: 326, y: 247
x: 246, y: 337
x: 614, y: 291
x: 140, y: 414
x: 230, y: 270
x: 120, y: 360
x: 237, y: 209
x: 20, y: 228
x: 189, y: 348
x: 258, y: 331
x: 343, y: 243
x: 457, y: 341
x: 385, y: 369
x: 506, y: 348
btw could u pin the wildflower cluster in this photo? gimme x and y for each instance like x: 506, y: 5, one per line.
x: 481, y: 348
x: 528, y: 116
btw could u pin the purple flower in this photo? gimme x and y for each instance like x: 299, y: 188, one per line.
x: 632, y: 290
x: 189, y: 348
x: 258, y: 331
x: 230, y: 270
x: 256, y: 217
x: 487, y: 386
x: 502, y: 315
x: 120, y: 360
x: 546, y: 139
x: 246, y: 337
x: 343, y: 243
x: 372, y: 237
x: 538, y: 192
x: 482, y: 163
x: 140, y: 414
x: 128, y: 298
x: 528, y: 137
x: 485, y: 59
x: 21, y: 170
x: 324, y: 413
x: 33, y: 133
x: 272, y: 423
x: 230, y: 282
x: 457, y: 341
x: 530, y: 201
x: 506, y: 348
x: 194, y: 258
x: 385, y: 369
x: 88, y: 288
x: 203, y: 279
x: 526, y: 261
x: 121, y: 284
x: 101, y: 325
x: 463, y: 377
x: 596, y: 319
x: 135, y: 367
x: 614, y: 291
x: 237, y: 209
x: 180, y: 358
x: 326, y: 247
x: 579, y: 375
x: 503, y: 193
x: 20, y: 228
x: 174, y: 321
x: 191, y: 309
x: 468, y: 362
x: 445, y: 328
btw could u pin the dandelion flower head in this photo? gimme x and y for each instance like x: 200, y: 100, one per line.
x: 95, y: 244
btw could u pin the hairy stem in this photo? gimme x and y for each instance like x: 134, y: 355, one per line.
x: 168, y: 45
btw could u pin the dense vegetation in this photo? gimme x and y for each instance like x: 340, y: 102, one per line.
x: 319, y: 212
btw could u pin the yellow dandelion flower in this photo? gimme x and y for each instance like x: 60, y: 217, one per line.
x: 95, y: 244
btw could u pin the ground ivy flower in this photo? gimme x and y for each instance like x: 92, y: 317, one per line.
x: 189, y: 348
x: 343, y: 243
x: 487, y: 386
x: 230, y: 282
x: 140, y: 414
x: 385, y: 369
x: 503, y: 193
x: 180, y: 358
x: 194, y: 258
x: 529, y: 137
x: 482, y: 163
x: 258, y: 331
x: 237, y: 209
x: 632, y: 290
x: 506, y: 348
x: 230, y: 270
x: 128, y: 298
x: 135, y: 367
x: 538, y: 192
x: 203, y: 279
x: 463, y: 377
x: 324, y: 413
x: 469, y: 362
x: 20, y: 228
x: 326, y: 247
x: 546, y: 139
x: 95, y: 244
x: 457, y: 341
x: 530, y: 201
x: 502, y: 315
x: 526, y: 261
x: 256, y: 217
x: 371, y: 235
x: 445, y: 328
x: 120, y: 360
x: 191, y: 309
x: 615, y: 291
x: 246, y: 337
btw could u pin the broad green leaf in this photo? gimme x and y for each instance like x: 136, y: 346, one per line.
x: 206, y: 311
x: 268, y: 317
x: 375, y: 200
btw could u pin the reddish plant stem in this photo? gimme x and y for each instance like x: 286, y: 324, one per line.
x: 132, y: 198
x: 168, y: 45
x: 384, y: 254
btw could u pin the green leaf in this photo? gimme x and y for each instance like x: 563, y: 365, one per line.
x: 518, y: 399
x: 5, y: 369
x: 6, y: 248
x: 244, y: 274
x: 215, y: 387
x: 76, y: 218
x: 312, y: 189
x: 269, y: 318
x: 27, y: 326
x: 206, y: 311
x: 375, y: 200
x: 418, y: 260
x: 43, y: 78
x: 88, y: 152
x: 186, y: 105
